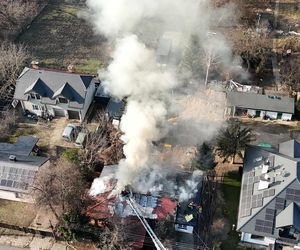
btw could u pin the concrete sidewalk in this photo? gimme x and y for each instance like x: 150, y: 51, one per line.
x: 27, y: 241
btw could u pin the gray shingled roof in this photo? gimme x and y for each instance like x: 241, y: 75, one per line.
x: 46, y: 83
x: 23, y: 146
x: 259, y: 208
x: 290, y: 148
x: 261, y: 102
x: 115, y: 108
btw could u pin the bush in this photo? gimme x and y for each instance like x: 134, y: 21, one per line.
x: 72, y: 155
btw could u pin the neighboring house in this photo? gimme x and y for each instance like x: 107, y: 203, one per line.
x: 61, y: 94
x: 269, y: 209
x: 258, y: 105
x: 18, y: 167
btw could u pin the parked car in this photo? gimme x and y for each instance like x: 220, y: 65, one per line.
x: 81, y: 139
x: 69, y: 132
x: 29, y: 115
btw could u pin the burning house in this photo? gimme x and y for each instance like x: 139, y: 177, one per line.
x: 131, y: 206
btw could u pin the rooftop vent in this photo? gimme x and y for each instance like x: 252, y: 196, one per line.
x: 12, y: 158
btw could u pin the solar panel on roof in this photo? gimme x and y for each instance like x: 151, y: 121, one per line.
x: 270, y: 211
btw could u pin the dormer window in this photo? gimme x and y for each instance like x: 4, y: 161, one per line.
x: 35, y: 96
x: 62, y: 100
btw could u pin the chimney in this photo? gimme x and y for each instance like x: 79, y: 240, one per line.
x: 35, y: 64
x: 12, y: 158
x: 70, y: 68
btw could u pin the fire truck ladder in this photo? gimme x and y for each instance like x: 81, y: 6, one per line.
x: 156, y: 241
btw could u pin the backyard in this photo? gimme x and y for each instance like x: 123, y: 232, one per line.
x: 58, y: 37
x: 16, y: 213
x: 231, y: 192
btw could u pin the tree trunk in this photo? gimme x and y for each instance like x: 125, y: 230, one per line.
x: 53, y: 211
x: 206, y: 76
x: 232, y: 159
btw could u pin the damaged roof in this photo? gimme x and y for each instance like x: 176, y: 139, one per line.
x: 51, y: 84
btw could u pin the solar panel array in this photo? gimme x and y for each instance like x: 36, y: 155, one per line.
x: 257, y: 201
x: 19, y: 178
x: 268, y: 193
x: 292, y: 195
x: 247, y: 190
x: 248, y: 200
x: 267, y: 225
x: 279, y: 203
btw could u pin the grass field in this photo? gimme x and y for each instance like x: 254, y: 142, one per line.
x: 231, y: 191
x: 16, y: 213
x: 58, y: 38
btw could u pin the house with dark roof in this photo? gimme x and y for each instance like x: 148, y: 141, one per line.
x: 269, y: 208
x: 259, y: 105
x: 18, y: 167
x: 60, y: 94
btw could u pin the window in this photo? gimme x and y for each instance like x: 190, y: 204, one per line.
x: 257, y: 237
x: 62, y: 100
x: 35, y: 107
x: 35, y: 96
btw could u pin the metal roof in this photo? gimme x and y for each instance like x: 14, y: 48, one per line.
x: 46, y: 83
x: 259, y: 208
x: 23, y: 146
x: 261, y: 102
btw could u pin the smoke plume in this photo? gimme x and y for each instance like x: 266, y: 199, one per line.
x: 154, y: 93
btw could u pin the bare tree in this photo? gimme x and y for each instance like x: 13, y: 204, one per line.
x: 113, y: 237
x: 59, y: 186
x: 8, y: 123
x: 104, y: 145
x: 12, y: 60
x: 290, y: 74
x: 252, y: 47
x: 211, y: 58
x: 16, y: 14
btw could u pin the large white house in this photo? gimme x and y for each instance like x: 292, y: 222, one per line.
x: 269, y: 209
x: 61, y: 94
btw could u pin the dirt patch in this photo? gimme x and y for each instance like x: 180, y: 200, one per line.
x: 16, y: 213
x: 49, y: 134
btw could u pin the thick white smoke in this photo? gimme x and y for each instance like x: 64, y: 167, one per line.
x: 134, y: 73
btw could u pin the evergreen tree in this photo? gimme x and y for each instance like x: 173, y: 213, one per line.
x: 232, y: 140
x: 205, y: 158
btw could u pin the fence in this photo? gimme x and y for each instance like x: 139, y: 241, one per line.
x: 27, y: 230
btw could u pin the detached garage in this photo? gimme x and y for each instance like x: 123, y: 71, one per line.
x: 59, y: 112
x: 73, y: 114
x: 255, y: 105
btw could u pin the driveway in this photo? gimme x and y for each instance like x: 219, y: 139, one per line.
x: 272, y: 132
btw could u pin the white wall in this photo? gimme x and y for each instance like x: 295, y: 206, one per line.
x: 246, y: 237
x: 286, y: 117
x: 8, y: 195
x: 88, y: 99
x: 28, y: 106
x: 188, y: 229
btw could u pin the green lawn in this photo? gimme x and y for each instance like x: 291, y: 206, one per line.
x: 231, y: 191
